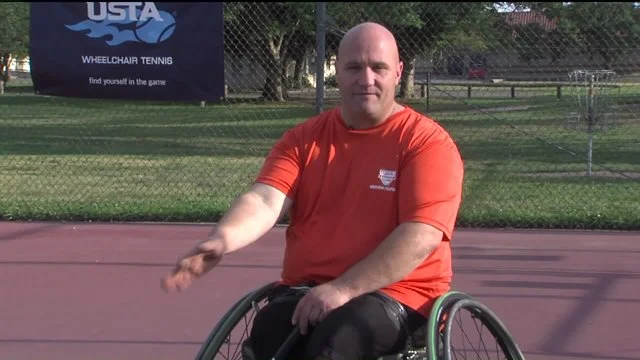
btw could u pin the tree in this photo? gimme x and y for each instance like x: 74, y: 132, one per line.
x: 270, y: 32
x: 604, y: 29
x: 601, y: 29
x: 302, y: 43
x: 535, y: 42
x: 421, y: 27
x: 14, y: 36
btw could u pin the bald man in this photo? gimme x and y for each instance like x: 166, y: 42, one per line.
x: 373, y: 190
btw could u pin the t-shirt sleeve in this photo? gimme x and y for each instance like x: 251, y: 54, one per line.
x: 281, y: 168
x: 430, y: 188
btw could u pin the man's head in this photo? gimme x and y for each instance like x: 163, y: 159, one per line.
x: 368, y: 69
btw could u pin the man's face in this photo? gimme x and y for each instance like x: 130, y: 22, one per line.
x: 367, y: 73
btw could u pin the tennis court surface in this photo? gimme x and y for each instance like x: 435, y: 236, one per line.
x: 92, y: 291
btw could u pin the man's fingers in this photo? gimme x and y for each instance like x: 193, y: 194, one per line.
x: 310, y: 317
x: 194, y: 265
x: 303, y: 322
x: 177, y: 281
x: 296, y: 313
x: 166, y: 284
x: 314, y: 316
x: 301, y: 314
x: 190, y: 264
x: 183, y: 282
x: 299, y: 317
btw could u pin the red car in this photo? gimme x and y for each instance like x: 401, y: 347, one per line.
x: 476, y: 71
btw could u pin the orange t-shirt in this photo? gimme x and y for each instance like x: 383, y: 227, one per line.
x: 352, y: 188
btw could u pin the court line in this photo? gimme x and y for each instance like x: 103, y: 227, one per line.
x: 118, y: 263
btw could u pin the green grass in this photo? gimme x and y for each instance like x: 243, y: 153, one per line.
x: 78, y: 159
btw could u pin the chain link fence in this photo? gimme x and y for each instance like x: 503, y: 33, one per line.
x: 542, y: 102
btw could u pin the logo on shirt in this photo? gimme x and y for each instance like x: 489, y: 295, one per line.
x: 386, y: 177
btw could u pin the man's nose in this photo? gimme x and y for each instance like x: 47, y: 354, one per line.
x: 367, y: 77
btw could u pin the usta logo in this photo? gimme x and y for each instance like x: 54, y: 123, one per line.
x: 121, y: 22
x: 116, y: 11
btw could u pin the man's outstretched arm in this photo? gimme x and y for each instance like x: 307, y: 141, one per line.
x: 251, y: 215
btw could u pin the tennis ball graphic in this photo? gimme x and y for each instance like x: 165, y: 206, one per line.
x: 152, y: 31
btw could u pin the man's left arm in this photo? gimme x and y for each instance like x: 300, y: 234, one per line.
x: 429, y: 193
x: 395, y: 258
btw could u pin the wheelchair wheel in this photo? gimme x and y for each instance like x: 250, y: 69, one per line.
x: 221, y: 341
x: 469, y: 314
x: 437, y: 321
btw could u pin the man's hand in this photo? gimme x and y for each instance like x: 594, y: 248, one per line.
x: 317, y: 303
x: 194, y: 264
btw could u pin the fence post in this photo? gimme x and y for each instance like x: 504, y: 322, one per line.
x: 428, y: 90
x: 321, y: 20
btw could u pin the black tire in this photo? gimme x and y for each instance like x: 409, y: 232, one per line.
x: 488, y: 319
x: 230, y: 319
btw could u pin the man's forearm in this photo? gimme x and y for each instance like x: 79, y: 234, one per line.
x: 405, y: 248
x: 246, y: 221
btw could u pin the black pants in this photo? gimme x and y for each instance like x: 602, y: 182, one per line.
x: 366, y: 327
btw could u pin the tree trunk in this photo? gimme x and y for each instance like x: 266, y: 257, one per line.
x: 4, y: 68
x: 299, y: 69
x: 2, y: 71
x: 608, y: 59
x: 6, y: 77
x: 273, y: 89
x: 285, y: 77
x: 407, y: 86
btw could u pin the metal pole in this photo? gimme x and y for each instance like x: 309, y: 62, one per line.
x: 427, y: 90
x: 590, y: 123
x: 321, y: 20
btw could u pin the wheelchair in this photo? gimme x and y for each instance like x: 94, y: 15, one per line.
x: 435, y: 340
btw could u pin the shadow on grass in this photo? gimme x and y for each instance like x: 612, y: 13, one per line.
x: 42, y: 125
x: 197, y: 139
x: 18, y: 90
x: 238, y: 140
x: 26, y: 96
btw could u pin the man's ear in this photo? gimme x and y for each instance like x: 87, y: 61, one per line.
x: 399, y: 74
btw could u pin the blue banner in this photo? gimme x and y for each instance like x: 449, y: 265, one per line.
x: 128, y: 50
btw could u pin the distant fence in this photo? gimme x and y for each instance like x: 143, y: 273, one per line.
x: 469, y: 85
